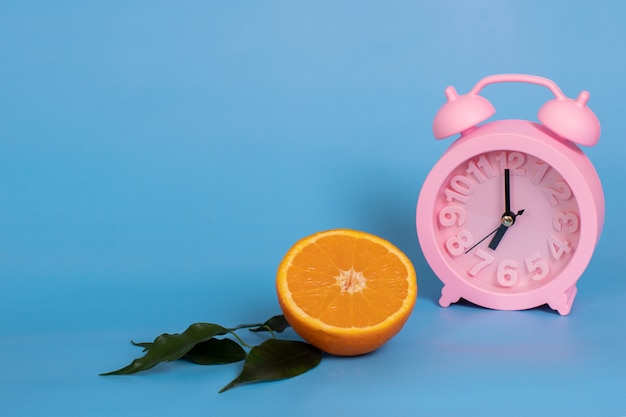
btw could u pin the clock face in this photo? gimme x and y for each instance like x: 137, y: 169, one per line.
x: 506, y: 222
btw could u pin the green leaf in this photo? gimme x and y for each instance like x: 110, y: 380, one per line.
x: 277, y: 359
x: 216, y: 351
x: 276, y: 324
x: 169, y: 347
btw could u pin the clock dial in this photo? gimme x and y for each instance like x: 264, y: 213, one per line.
x: 506, y: 221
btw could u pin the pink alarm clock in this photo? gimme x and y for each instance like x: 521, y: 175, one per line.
x: 509, y: 217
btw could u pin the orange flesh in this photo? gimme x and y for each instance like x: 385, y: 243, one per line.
x: 346, y: 282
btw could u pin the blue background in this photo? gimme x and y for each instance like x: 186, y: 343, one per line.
x: 157, y: 160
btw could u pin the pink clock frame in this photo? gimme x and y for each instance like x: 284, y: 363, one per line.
x: 461, y: 114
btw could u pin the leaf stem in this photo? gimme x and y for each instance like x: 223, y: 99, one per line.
x: 269, y: 329
x: 239, y: 339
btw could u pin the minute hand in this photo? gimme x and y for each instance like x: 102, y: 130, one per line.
x: 507, y: 192
x: 508, y: 218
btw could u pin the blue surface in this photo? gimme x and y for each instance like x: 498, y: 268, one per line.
x: 157, y: 159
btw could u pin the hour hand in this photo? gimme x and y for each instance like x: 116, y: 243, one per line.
x: 500, y: 231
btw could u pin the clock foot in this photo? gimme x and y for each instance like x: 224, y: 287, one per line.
x: 563, y: 302
x: 448, y: 296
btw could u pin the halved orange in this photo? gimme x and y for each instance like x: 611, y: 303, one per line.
x: 345, y: 291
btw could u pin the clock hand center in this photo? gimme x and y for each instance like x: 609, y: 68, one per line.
x: 508, y: 220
